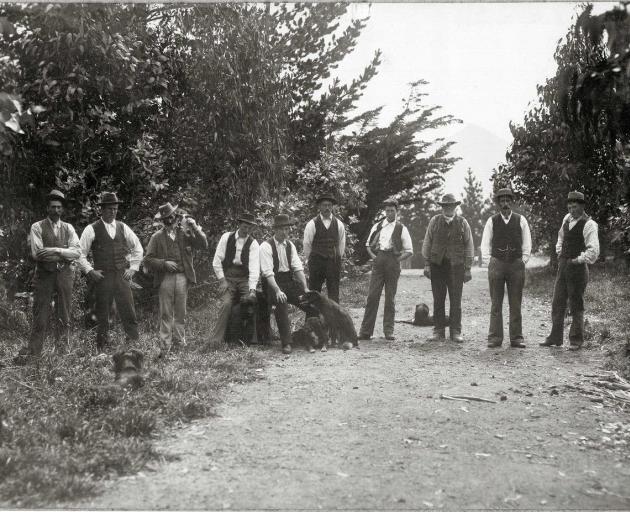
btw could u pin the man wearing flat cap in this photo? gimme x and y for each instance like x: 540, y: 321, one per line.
x: 506, y: 245
x: 283, y: 275
x: 236, y: 264
x: 54, y: 247
x: 388, y: 244
x: 324, y: 246
x: 448, y: 252
x: 577, y: 247
x: 170, y: 256
x: 117, y: 254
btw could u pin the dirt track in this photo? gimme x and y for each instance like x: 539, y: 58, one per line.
x: 367, y: 428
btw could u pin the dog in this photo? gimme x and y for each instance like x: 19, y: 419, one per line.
x: 127, y: 368
x: 421, y: 318
x: 336, y: 318
x: 240, y: 328
x: 312, y: 334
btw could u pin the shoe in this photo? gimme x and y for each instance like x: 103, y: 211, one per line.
x: 575, y: 346
x: 364, y: 337
x: 494, y: 344
x: 550, y: 343
x: 310, y: 349
x: 457, y: 337
x: 438, y: 336
x: 517, y: 344
x: 286, y: 349
x: 390, y: 337
x: 346, y: 345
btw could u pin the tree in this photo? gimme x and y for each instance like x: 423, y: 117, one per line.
x: 475, y: 208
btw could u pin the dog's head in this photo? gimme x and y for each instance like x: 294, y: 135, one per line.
x: 310, y: 298
x: 422, y: 310
x: 128, y: 359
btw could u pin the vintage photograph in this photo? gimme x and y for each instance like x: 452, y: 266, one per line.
x: 317, y: 256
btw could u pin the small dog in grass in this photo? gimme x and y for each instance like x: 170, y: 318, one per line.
x: 421, y: 318
x: 336, y: 318
x: 127, y: 368
x: 312, y: 334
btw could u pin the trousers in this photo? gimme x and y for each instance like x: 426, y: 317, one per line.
x: 447, y: 277
x: 324, y: 270
x: 570, y: 285
x: 172, y: 295
x: 385, y: 274
x: 502, y: 274
x: 114, y: 287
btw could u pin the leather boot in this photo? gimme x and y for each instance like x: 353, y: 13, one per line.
x: 438, y: 335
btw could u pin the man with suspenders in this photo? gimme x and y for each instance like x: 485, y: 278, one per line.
x: 283, y: 275
x: 388, y: 244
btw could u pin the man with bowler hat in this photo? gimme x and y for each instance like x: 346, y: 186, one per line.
x: 577, y: 247
x: 54, y: 247
x: 117, y: 254
x: 388, y: 244
x: 283, y: 276
x: 170, y: 256
x: 236, y: 264
x: 506, y: 245
x: 448, y: 252
x: 324, y: 246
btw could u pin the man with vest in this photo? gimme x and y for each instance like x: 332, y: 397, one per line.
x: 506, y: 245
x: 170, y: 256
x: 448, y: 252
x: 236, y: 264
x: 577, y: 247
x: 388, y: 244
x: 54, y: 247
x: 283, y: 276
x: 117, y: 254
x: 324, y: 245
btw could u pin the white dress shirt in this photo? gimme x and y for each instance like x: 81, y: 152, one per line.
x: 133, y: 245
x: 254, y: 259
x: 72, y: 252
x: 385, y: 236
x: 486, y: 239
x: 309, y: 234
x: 266, y: 258
x: 591, y: 240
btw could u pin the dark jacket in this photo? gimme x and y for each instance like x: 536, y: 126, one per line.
x: 157, y: 251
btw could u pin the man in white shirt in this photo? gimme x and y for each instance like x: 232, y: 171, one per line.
x: 236, y: 264
x: 117, y: 254
x: 506, y: 245
x: 283, y: 276
x: 54, y: 246
x: 388, y: 244
x: 577, y: 247
x: 324, y: 246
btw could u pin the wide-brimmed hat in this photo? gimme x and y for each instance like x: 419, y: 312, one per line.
x: 503, y: 192
x: 109, y: 198
x: 166, y: 210
x: 575, y: 197
x: 390, y: 202
x: 248, y: 218
x: 282, y: 220
x: 326, y: 197
x: 449, y: 199
x: 56, y: 195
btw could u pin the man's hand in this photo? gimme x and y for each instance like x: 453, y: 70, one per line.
x: 170, y: 266
x: 467, y: 275
x: 281, y: 297
x: 575, y: 261
x: 96, y: 275
x: 427, y: 272
x: 223, y: 286
x: 252, y: 295
x: 128, y: 274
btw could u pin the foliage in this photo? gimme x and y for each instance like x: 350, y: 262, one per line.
x: 475, y: 208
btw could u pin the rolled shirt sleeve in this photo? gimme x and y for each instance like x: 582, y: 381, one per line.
x: 219, y: 256
x: 526, y: 245
x: 407, y: 245
x: 486, y: 242
x: 367, y: 241
x: 342, y: 238
x: 36, y: 239
x: 135, y: 248
x: 307, y: 242
x: 591, y: 240
x: 266, y: 260
x: 561, y: 235
x: 85, y: 243
x: 254, y: 265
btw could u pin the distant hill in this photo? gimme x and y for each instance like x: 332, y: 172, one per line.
x: 480, y: 150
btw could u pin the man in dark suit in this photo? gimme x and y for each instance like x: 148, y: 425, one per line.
x: 170, y: 257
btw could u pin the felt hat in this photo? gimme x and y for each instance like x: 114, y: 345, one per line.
x: 56, y: 195
x: 448, y: 199
x: 248, y: 218
x: 575, y: 197
x: 109, y: 198
x: 166, y: 210
x: 326, y: 197
x: 390, y: 202
x: 503, y: 192
x: 282, y: 220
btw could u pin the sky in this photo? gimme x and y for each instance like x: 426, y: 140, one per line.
x: 482, y: 61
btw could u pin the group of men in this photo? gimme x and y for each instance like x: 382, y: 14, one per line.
x: 240, y: 262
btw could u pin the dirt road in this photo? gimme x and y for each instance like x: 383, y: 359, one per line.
x: 366, y: 429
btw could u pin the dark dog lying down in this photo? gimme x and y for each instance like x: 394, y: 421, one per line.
x: 128, y: 368
x: 421, y: 318
x: 340, y: 326
x: 312, y: 334
x: 248, y: 317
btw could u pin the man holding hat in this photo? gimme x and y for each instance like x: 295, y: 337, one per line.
x: 448, y: 252
x: 170, y: 257
x: 236, y: 264
x: 324, y: 245
x: 577, y: 247
x: 283, y: 275
x: 117, y: 253
x: 54, y: 247
x: 388, y: 244
x: 506, y: 245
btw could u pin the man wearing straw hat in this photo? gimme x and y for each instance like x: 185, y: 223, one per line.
x: 170, y: 256
x: 448, y: 252
x: 577, y: 247
x: 236, y: 264
x: 54, y: 247
x: 117, y: 254
x: 283, y: 276
x: 324, y: 246
x: 388, y: 244
x: 506, y: 245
